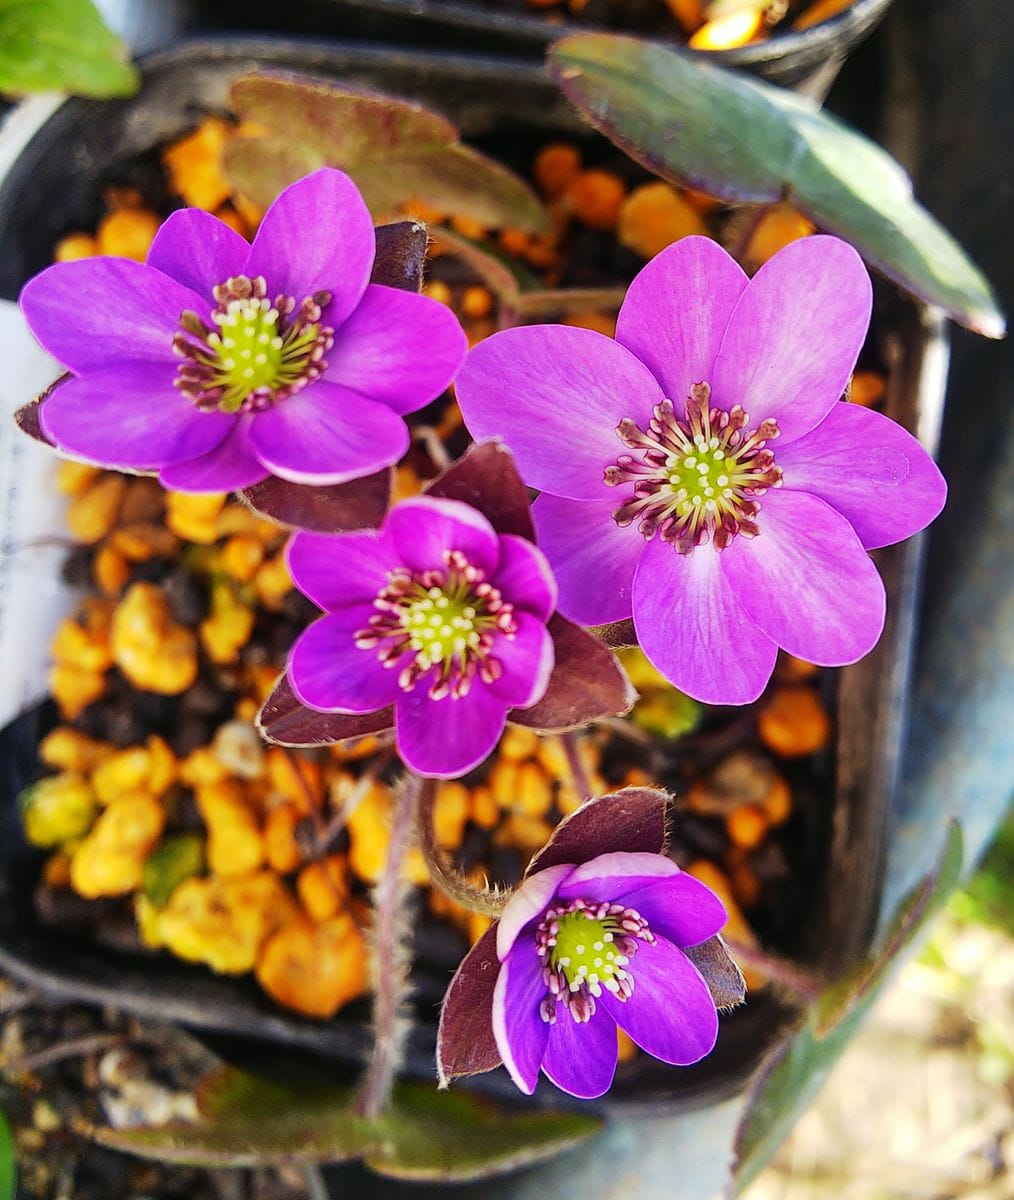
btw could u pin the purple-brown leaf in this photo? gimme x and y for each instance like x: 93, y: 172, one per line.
x: 340, y: 508
x: 465, y: 1041
x: 487, y: 478
x: 632, y: 820
x: 28, y: 415
x: 401, y: 255
x: 286, y: 722
x: 617, y: 635
x: 587, y: 683
x: 724, y: 979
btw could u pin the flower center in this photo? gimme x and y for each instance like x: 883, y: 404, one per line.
x: 584, y: 947
x: 445, y: 622
x: 697, y: 478
x: 260, y: 351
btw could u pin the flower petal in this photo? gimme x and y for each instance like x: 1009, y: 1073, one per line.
x: 593, y: 558
x: 671, y: 1014
x: 581, y: 1059
x: 398, y: 348
x: 555, y: 394
x: 198, y: 250
x: 807, y: 582
x: 676, y: 310
x: 527, y: 902
x: 868, y: 468
x: 130, y: 416
x: 230, y: 466
x: 527, y: 661
x: 336, y: 571
x: 679, y: 908
x: 692, y: 625
x: 611, y: 876
x: 446, y: 738
x: 795, y: 335
x: 317, y: 236
x: 524, y: 577
x: 521, y: 1034
x: 424, y: 528
x: 330, y: 673
x: 325, y: 435
x: 103, y: 312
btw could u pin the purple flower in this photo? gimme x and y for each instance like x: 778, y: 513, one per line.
x: 218, y: 363
x: 586, y: 948
x: 437, y: 614
x: 665, y: 494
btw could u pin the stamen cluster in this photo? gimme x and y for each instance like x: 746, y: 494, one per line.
x: 697, y: 478
x: 584, y: 947
x: 261, y: 351
x: 447, y: 620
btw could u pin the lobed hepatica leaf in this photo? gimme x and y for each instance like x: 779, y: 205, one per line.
x: 395, y: 150
x: 797, y: 1069
x: 748, y: 142
x: 425, y: 1134
x: 62, y: 45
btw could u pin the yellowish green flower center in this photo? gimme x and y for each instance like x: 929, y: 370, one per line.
x: 442, y: 624
x: 585, y: 951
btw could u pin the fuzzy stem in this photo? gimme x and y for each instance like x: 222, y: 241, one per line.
x: 391, y: 958
x: 577, y: 772
x: 443, y: 873
x: 782, y: 973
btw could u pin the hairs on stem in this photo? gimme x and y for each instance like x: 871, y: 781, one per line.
x: 444, y: 874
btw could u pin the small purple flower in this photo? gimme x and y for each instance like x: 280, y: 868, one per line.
x: 586, y: 948
x: 700, y: 472
x: 435, y: 613
x: 218, y: 363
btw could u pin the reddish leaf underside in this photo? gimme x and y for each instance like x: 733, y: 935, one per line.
x: 724, y: 979
x: 487, y: 478
x: 286, y: 722
x: 632, y: 820
x: 340, y: 508
x: 465, y: 1042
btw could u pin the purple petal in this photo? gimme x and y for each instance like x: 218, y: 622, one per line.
x: 527, y: 660
x: 527, y: 902
x: 130, y: 416
x: 325, y: 434
x: 447, y: 738
x: 795, y: 335
x: 336, y: 571
x: 868, y: 468
x: 317, y: 237
x: 555, y: 394
x: 398, y: 348
x: 524, y: 577
x: 671, y: 1014
x: 692, y: 625
x: 676, y: 310
x: 424, y: 528
x: 807, y: 582
x: 198, y: 250
x: 521, y: 1034
x: 593, y: 558
x: 230, y: 466
x: 102, y: 312
x: 679, y: 908
x: 581, y: 1059
x: 330, y: 673
x: 611, y: 876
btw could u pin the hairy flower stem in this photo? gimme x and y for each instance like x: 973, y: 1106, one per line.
x: 802, y: 987
x: 577, y: 772
x: 444, y: 874
x: 391, y: 957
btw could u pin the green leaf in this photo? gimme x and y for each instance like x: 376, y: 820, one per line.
x: 8, y: 1161
x: 63, y: 45
x: 798, y: 1068
x: 425, y: 1134
x: 395, y: 150
x: 178, y: 857
x: 747, y: 142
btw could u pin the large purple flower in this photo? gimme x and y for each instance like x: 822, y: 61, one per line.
x: 665, y: 494
x: 594, y: 938
x: 437, y: 614
x: 218, y: 363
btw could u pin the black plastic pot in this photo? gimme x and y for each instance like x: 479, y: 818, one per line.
x: 789, y: 58
x: 56, y: 186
